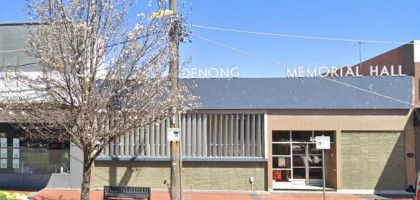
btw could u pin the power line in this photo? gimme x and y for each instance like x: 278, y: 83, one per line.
x: 271, y: 60
x: 368, y: 91
x: 282, y: 35
x: 237, y: 50
x: 278, y: 63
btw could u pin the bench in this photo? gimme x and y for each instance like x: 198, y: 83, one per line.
x: 126, y: 193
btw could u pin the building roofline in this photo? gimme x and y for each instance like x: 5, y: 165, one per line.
x: 290, y: 78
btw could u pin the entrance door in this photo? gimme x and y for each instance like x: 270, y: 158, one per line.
x: 307, y: 164
x: 297, y: 164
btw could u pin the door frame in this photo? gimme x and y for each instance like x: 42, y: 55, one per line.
x: 292, y: 180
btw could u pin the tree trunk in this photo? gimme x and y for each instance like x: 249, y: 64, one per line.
x: 86, y: 179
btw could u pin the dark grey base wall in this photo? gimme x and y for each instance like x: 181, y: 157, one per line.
x: 196, y: 175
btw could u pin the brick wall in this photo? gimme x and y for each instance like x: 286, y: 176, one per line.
x: 373, y: 160
x: 403, y: 55
x: 197, y: 175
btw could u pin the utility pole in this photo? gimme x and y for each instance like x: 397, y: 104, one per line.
x: 176, y: 164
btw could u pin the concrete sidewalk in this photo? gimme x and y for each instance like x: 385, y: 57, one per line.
x: 52, y: 194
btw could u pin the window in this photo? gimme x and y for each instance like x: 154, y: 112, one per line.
x: 295, y: 156
x: 33, y: 157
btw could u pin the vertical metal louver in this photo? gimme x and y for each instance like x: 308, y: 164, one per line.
x: 203, y: 135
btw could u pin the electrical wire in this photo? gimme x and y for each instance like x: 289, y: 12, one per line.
x: 282, y: 35
x: 237, y: 50
x: 278, y: 63
x: 271, y: 60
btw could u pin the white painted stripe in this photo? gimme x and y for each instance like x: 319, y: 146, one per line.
x: 265, y: 135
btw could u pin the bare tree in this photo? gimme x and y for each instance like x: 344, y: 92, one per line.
x: 99, y: 78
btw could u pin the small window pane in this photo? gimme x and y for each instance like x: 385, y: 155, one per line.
x: 281, y: 175
x: 281, y: 149
x: 313, y: 150
x: 299, y: 161
x: 281, y: 162
x: 299, y: 173
x: 315, y: 160
x: 315, y: 173
x: 299, y: 149
x: 281, y: 136
x: 301, y: 136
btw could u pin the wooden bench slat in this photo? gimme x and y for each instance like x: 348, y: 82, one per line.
x: 126, y: 193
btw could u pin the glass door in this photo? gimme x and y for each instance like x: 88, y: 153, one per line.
x: 307, y: 163
x: 307, y: 160
x: 299, y: 160
x: 296, y: 161
x: 314, y: 165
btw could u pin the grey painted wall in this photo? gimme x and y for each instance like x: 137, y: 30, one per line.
x: 303, y: 93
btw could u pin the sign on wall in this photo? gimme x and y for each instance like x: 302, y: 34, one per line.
x: 213, y: 72
x: 322, y: 142
x: 173, y: 134
x: 326, y: 71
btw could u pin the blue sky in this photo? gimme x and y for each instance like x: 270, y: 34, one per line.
x: 355, y: 19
